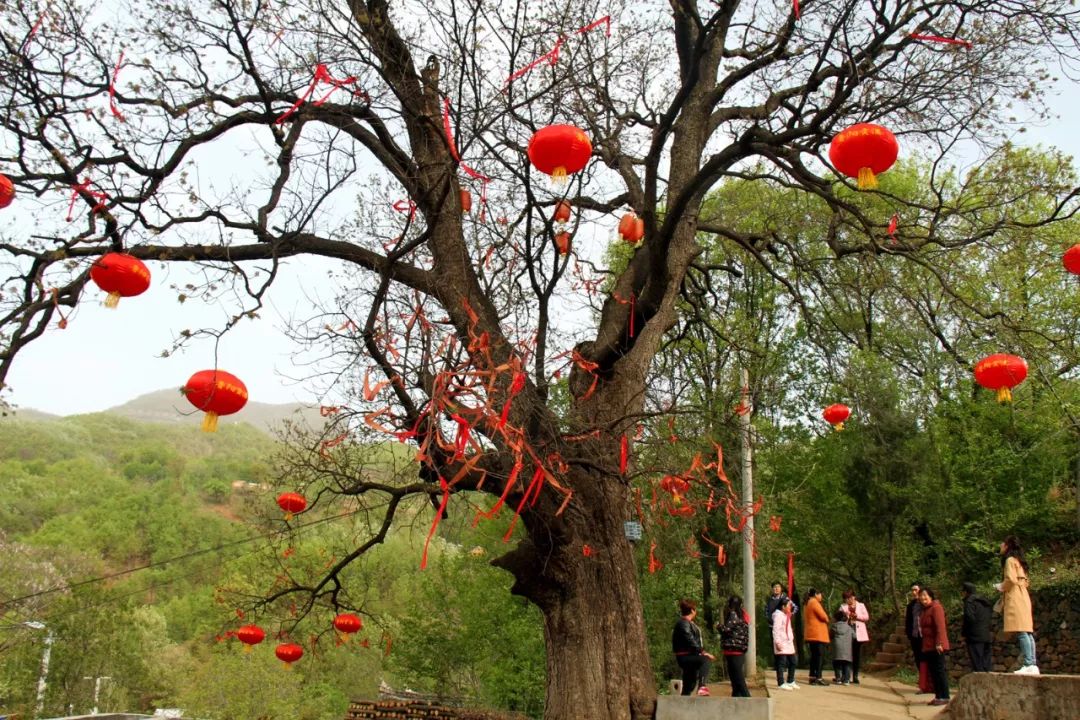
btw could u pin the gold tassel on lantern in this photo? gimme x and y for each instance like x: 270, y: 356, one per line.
x: 1004, y: 395
x: 209, y: 421
x: 112, y: 300
x: 867, y: 179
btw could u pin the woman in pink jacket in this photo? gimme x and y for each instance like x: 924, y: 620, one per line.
x: 857, y: 616
x: 783, y: 641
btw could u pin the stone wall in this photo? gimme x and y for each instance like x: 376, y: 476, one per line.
x: 1057, y: 635
x: 990, y: 696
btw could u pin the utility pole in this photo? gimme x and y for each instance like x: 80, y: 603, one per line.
x: 749, y: 598
x: 97, y: 689
x: 43, y: 676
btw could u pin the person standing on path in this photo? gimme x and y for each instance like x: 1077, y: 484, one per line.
x: 976, y: 629
x: 735, y: 639
x: 843, y: 637
x: 914, y: 635
x: 784, y: 645
x: 816, y: 633
x: 858, y: 616
x: 686, y: 644
x: 935, y: 644
x: 1017, y: 602
x: 775, y: 600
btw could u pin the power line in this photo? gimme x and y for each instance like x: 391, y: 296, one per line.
x: 167, y: 561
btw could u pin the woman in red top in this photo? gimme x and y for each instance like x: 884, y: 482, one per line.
x: 935, y: 644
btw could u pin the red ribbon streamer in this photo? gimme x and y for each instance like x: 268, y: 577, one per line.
x: 322, y: 74
x: 34, y: 29
x: 516, y: 387
x: 434, y: 525
x: 624, y: 452
x: 112, y: 89
x: 790, y: 573
x: 534, y: 487
x: 464, y: 432
x: 84, y: 187
x: 939, y: 39
x: 552, y: 56
x: 405, y: 206
x: 796, y: 8
x: 484, y: 179
x: 654, y: 564
x: 510, y: 482
x: 606, y: 20
x: 893, y: 222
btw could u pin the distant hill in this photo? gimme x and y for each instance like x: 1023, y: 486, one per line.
x: 27, y: 414
x: 169, y: 407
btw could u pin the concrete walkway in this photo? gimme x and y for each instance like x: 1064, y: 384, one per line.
x: 872, y: 699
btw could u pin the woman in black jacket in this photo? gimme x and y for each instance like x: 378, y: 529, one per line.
x: 735, y: 638
x: 689, y: 654
x: 976, y: 629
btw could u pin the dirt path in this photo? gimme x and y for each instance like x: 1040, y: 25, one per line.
x: 873, y: 699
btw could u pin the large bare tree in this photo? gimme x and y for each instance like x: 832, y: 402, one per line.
x: 238, y: 134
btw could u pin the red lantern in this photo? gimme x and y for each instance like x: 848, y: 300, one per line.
x: 348, y: 623
x: 250, y: 635
x: 1071, y: 259
x: 7, y: 191
x: 562, y: 212
x: 120, y: 275
x: 836, y: 414
x: 216, y: 392
x: 676, y: 486
x: 864, y: 151
x: 559, y: 150
x: 1001, y: 372
x: 631, y: 228
x: 291, y: 503
x: 466, y: 201
x: 289, y: 653
x: 562, y: 242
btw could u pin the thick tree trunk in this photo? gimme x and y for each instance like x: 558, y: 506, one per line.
x: 597, y: 653
x: 597, y: 663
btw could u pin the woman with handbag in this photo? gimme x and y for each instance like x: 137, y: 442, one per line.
x: 1016, y: 602
x: 689, y: 653
x: 734, y: 640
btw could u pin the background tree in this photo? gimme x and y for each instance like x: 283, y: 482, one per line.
x: 463, y: 315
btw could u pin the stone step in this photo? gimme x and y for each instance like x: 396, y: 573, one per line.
x: 893, y: 658
x: 878, y: 667
x: 894, y: 647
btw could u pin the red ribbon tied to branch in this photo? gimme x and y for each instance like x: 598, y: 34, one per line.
x: 112, y: 90
x: 84, y: 188
x: 322, y: 74
x: 484, y: 179
x: 939, y: 39
x: 552, y: 56
x: 434, y: 525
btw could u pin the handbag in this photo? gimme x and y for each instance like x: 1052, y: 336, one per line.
x: 735, y: 635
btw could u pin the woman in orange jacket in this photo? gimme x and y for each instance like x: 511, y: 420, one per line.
x: 816, y: 633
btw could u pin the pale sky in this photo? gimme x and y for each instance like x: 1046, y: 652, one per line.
x: 107, y: 357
